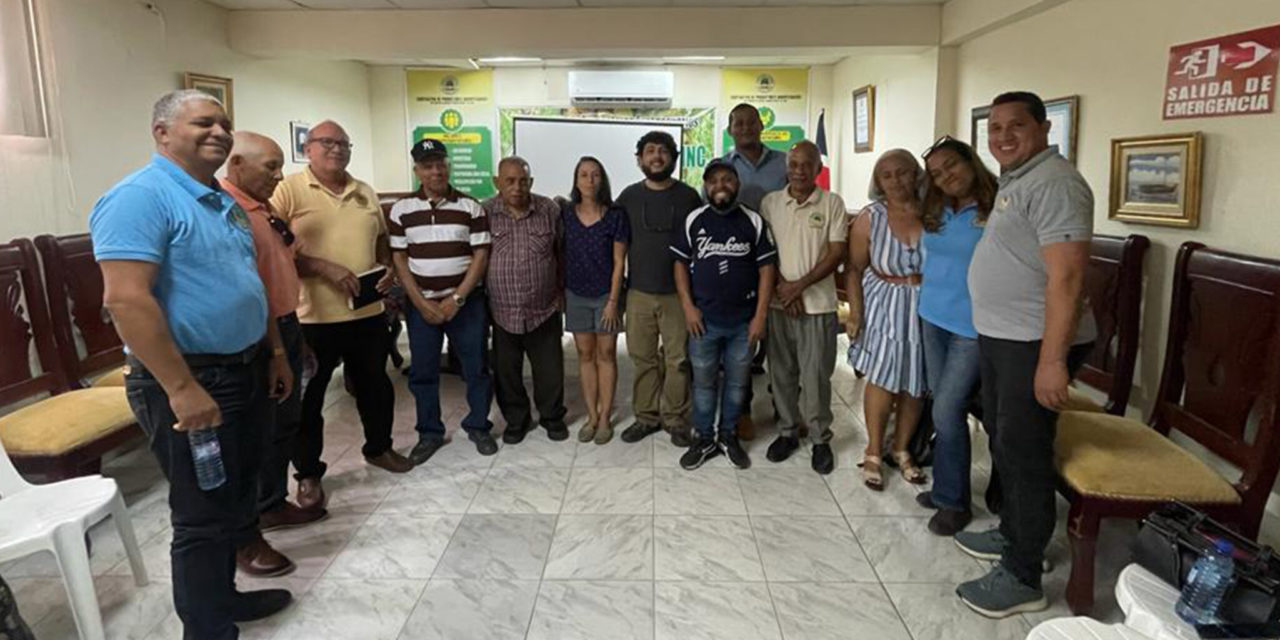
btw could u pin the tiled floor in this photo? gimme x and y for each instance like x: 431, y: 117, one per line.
x: 560, y: 540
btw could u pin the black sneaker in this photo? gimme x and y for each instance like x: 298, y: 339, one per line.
x: 425, y: 448
x: 699, y: 453
x: 485, y: 445
x: 558, y: 434
x: 639, y: 431
x: 823, y: 460
x: 247, y: 606
x: 514, y: 435
x: 782, y: 448
x: 948, y: 522
x: 682, y: 437
x: 733, y: 448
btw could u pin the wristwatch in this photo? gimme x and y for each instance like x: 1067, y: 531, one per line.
x: 459, y: 300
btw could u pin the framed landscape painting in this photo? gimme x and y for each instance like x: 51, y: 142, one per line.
x: 1156, y: 180
x: 215, y: 86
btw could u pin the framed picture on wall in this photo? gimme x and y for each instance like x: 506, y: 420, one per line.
x: 297, y: 139
x: 1156, y: 180
x: 1064, y: 113
x: 864, y: 118
x: 215, y: 86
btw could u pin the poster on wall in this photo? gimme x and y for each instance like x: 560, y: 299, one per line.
x: 780, y: 93
x: 1225, y: 76
x: 456, y: 107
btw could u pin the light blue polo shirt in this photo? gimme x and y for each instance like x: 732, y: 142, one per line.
x: 759, y: 179
x: 207, y: 284
x: 944, y: 289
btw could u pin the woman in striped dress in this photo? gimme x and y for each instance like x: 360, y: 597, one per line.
x: 883, y: 287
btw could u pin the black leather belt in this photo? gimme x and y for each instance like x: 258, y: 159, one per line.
x: 200, y: 360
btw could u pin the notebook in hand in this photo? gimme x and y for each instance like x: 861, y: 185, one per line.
x: 369, y: 293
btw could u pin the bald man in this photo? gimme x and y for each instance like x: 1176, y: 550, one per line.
x: 340, y: 226
x: 526, y: 284
x: 253, y: 171
x: 809, y: 226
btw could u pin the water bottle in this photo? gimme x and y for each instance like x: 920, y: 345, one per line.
x: 207, y: 455
x: 1207, y: 585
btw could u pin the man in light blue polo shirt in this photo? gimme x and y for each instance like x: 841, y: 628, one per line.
x: 761, y: 171
x: 182, y: 286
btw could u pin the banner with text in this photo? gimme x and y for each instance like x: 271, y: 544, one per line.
x: 780, y: 93
x: 1225, y: 76
x: 456, y: 108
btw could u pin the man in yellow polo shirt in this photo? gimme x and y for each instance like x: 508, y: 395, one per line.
x: 341, y: 229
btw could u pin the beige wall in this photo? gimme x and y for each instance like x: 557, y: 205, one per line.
x: 1120, y: 87
x: 906, y: 87
x: 108, y: 60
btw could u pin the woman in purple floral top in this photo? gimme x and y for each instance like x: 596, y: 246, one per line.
x: 596, y: 233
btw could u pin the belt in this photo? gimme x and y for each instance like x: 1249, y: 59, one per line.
x: 912, y: 280
x: 201, y: 360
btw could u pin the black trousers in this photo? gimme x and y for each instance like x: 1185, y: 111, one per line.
x: 1022, y: 434
x: 361, y: 347
x: 546, y: 357
x: 278, y: 440
x: 12, y: 627
x: 208, y: 525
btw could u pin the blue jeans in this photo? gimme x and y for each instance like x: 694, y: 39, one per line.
x: 466, y: 333
x: 719, y: 345
x: 951, y: 366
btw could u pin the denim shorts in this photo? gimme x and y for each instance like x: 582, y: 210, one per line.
x: 586, y: 315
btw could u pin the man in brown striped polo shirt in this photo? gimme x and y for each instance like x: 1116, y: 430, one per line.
x: 440, y: 246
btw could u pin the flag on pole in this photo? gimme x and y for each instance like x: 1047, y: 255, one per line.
x: 824, y: 176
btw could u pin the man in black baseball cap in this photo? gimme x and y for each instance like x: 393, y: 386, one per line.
x: 427, y: 149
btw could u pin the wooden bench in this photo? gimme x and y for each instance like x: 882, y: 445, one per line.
x: 73, y: 284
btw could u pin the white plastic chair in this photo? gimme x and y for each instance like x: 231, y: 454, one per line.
x: 54, y: 517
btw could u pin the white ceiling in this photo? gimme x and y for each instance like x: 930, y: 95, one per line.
x: 540, y: 4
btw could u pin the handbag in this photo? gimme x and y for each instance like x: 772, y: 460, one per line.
x: 1174, y: 536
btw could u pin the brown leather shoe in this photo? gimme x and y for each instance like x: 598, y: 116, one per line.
x: 746, y: 428
x: 311, y: 494
x: 289, y: 516
x: 258, y: 559
x: 391, y: 461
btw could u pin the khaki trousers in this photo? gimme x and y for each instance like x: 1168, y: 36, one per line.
x: 656, y: 340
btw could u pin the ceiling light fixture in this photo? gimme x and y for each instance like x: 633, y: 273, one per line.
x: 507, y: 60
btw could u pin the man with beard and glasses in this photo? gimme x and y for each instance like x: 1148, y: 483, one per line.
x: 724, y: 272
x: 656, y: 333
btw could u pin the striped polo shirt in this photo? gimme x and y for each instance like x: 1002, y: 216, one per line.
x: 440, y: 237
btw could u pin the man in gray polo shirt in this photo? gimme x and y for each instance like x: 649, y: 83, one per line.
x: 1026, y: 281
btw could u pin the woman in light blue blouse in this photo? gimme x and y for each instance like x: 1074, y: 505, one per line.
x: 960, y: 196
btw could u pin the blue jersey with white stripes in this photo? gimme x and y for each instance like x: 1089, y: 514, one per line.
x: 724, y: 251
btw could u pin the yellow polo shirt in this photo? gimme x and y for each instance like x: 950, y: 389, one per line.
x: 338, y: 227
x: 801, y: 230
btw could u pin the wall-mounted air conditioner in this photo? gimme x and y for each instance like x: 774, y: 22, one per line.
x: 651, y: 89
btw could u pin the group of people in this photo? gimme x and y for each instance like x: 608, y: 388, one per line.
x: 221, y: 288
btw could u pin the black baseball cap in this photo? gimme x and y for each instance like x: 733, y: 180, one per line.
x: 428, y: 148
x: 718, y: 163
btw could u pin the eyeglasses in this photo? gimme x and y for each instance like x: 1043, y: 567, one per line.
x: 330, y: 143
x: 281, y: 227
x: 936, y: 144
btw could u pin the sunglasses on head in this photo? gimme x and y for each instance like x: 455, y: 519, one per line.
x: 281, y: 227
x: 937, y: 144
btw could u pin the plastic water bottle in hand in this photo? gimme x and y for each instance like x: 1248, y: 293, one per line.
x: 1207, y: 585
x: 207, y: 454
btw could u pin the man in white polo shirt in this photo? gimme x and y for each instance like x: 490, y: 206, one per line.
x: 440, y: 245
x: 810, y: 228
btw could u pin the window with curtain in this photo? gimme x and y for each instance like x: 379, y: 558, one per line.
x: 22, y: 111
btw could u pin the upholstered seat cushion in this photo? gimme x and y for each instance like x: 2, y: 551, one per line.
x: 112, y: 378
x: 1076, y: 401
x: 1098, y: 454
x: 61, y: 423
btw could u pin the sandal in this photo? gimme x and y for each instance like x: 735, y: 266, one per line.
x: 586, y: 433
x: 910, y: 472
x: 871, y: 473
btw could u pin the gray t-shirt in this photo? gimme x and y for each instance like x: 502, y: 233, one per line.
x: 1042, y: 202
x: 654, y: 216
